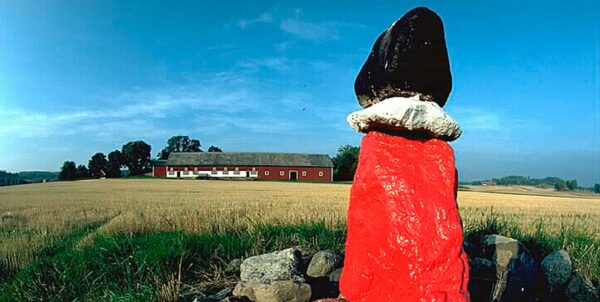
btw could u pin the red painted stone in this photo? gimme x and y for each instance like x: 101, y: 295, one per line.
x: 404, y: 231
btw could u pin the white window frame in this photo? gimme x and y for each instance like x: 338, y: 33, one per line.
x: 303, y: 173
x: 320, y: 173
x: 266, y: 173
x: 281, y: 173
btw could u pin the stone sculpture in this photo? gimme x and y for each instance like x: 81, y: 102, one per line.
x: 404, y: 231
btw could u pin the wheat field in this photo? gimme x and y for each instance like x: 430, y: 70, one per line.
x: 35, y: 216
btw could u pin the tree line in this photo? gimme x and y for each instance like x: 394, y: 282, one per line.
x: 182, y: 143
x: 10, y: 179
x: 345, y: 163
x: 135, y: 156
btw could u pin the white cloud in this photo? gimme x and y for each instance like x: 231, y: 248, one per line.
x: 478, y: 119
x: 310, y: 30
x: 223, y: 92
x: 315, y: 31
x: 262, y: 18
x: 277, y: 63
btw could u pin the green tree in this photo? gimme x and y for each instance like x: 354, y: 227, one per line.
x: 560, y: 185
x: 136, y: 156
x: 115, y: 161
x: 9, y: 179
x: 82, y: 172
x: 597, y: 188
x: 97, y: 165
x: 179, y: 143
x: 572, y: 185
x: 345, y: 162
x: 68, y: 171
x: 214, y: 149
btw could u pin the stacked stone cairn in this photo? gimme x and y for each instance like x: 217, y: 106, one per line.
x: 404, y: 230
x: 288, y: 276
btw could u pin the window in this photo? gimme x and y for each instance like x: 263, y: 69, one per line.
x: 213, y: 172
x: 225, y: 172
x: 236, y: 172
x: 303, y: 173
x: 321, y: 173
x: 266, y: 173
x: 281, y: 173
x: 253, y: 173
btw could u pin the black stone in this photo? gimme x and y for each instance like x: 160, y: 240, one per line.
x: 409, y: 58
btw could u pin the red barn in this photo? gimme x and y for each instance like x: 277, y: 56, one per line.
x: 249, y: 165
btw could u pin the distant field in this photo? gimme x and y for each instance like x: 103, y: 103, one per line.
x: 42, y: 220
x: 529, y: 190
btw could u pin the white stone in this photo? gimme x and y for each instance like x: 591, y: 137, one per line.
x: 266, y: 268
x: 406, y: 114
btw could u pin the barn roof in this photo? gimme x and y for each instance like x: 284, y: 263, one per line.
x: 248, y: 159
x: 159, y: 162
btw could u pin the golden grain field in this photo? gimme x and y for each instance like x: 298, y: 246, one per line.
x: 32, y: 216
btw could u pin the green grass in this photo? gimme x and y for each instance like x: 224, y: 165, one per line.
x: 581, y: 244
x: 137, y: 268
x: 141, y: 267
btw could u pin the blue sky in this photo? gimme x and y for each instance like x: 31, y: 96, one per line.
x: 79, y: 77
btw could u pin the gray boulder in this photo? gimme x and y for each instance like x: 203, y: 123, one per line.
x: 335, y: 275
x: 557, y: 268
x: 276, y: 291
x: 323, y: 263
x: 503, y: 270
x: 579, y: 289
x: 276, y: 266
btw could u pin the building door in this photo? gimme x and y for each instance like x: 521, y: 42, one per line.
x: 293, y: 175
x: 178, y: 174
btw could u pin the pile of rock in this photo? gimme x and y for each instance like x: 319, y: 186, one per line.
x: 564, y: 282
x: 289, y: 276
x: 502, y: 269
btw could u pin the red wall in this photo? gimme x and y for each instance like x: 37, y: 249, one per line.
x: 312, y: 173
x: 159, y: 171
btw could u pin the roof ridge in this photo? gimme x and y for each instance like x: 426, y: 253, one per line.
x: 249, y: 158
x: 251, y: 152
